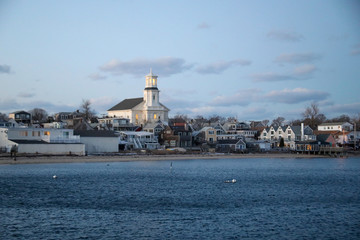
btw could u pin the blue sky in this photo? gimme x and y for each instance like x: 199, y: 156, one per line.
x: 253, y: 60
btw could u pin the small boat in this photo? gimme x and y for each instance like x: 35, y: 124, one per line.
x: 231, y: 181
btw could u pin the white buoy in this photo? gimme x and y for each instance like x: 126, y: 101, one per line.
x: 54, y: 177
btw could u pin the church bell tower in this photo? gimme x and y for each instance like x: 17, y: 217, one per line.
x: 151, y: 92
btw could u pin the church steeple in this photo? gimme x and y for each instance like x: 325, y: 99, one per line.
x: 151, y: 92
x: 151, y: 80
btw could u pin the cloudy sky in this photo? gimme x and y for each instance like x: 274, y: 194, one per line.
x: 250, y: 59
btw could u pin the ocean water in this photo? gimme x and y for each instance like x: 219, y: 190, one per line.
x: 272, y: 199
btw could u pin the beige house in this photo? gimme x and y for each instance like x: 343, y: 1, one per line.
x: 210, y: 134
x: 147, y: 109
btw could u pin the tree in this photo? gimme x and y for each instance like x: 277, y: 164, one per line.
x: 265, y: 122
x: 3, y: 116
x: 312, y: 116
x: 278, y: 121
x: 216, y: 118
x: 342, y: 118
x: 38, y: 114
x: 85, y: 108
x: 282, y: 143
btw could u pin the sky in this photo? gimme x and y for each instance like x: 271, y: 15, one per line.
x: 252, y: 60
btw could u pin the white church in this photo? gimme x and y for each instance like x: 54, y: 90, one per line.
x: 147, y: 109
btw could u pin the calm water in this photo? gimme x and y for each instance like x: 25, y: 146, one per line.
x: 272, y: 199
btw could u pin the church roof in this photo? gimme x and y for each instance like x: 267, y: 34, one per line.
x: 127, y: 104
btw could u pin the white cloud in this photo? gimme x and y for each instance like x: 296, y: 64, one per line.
x: 304, y: 70
x: 288, y: 36
x: 297, y: 95
x: 299, y: 73
x: 164, y: 66
x: 296, y: 58
x: 221, y: 66
x: 271, y: 77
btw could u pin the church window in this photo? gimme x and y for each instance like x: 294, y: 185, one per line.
x: 154, y: 83
x: 154, y: 116
x: 137, y: 116
x: 154, y: 97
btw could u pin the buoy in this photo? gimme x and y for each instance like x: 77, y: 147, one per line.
x: 231, y: 181
x: 54, y: 177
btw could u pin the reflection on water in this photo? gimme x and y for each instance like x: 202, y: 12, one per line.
x: 272, y: 199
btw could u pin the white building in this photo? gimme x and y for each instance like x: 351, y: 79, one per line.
x: 138, y: 140
x: 41, y: 140
x: 337, y: 126
x: 99, y: 141
x: 142, y: 110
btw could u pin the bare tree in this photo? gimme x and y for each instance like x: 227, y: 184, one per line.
x: 3, y: 116
x: 231, y: 119
x: 265, y: 122
x: 312, y: 116
x: 278, y: 121
x: 85, y: 108
x: 38, y: 114
x: 216, y: 118
x: 181, y: 116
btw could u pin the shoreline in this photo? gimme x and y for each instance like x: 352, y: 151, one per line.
x: 141, y: 157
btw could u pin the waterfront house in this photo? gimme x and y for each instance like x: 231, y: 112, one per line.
x: 138, y: 140
x: 230, y: 145
x: 98, y: 141
x: 41, y: 141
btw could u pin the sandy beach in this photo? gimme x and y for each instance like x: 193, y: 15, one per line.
x: 143, y: 157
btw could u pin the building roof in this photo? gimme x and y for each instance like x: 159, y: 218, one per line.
x: 93, y: 133
x: 127, y: 104
x: 21, y: 111
x: 333, y: 124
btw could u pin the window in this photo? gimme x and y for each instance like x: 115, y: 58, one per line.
x: 154, y: 116
x: 36, y: 134
x: 24, y: 133
x: 137, y: 116
x: 154, y: 81
x: 289, y: 138
x: 289, y: 131
x: 272, y: 132
x: 211, y: 132
x: 47, y: 133
x: 264, y: 134
x: 154, y: 97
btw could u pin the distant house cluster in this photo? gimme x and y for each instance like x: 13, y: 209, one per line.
x: 143, y: 123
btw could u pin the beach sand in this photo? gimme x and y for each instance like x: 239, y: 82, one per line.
x: 143, y: 157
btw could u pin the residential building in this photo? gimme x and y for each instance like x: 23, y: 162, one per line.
x: 138, y: 140
x: 230, y: 145
x: 99, y: 141
x: 336, y: 126
x: 116, y: 124
x: 21, y: 117
x: 41, y: 140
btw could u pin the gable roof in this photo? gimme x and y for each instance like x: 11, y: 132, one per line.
x: 127, y: 104
x: 93, y: 133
